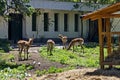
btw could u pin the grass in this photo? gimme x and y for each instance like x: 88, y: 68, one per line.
x: 52, y: 69
x: 90, y: 57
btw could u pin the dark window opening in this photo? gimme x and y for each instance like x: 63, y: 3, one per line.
x: 65, y: 22
x: 56, y: 22
x: 46, y: 21
x: 76, y: 19
x: 34, y: 22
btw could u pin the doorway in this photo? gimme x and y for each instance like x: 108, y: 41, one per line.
x: 15, y: 27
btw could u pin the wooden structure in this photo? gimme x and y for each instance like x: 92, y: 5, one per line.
x: 105, y: 29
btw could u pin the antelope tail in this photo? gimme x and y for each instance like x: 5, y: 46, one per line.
x: 82, y: 42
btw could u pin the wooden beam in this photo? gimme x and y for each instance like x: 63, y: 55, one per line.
x: 105, y: 16
x: 101, y: 42
x: 115, y: 33
x: 107, y: 10
x: 110, y: 16
x: 116, y: 62
x: 112, y: 33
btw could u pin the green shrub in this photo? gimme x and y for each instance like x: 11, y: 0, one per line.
x: 62, y: 61
x: 4, y: 46
x: 52, y: 69
x: 40, y: 73
x: 22, y: 67
x: 30, y: 67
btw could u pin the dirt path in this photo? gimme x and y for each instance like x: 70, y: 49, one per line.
x: 84, y: 74
x: 76, y: 74
x: 35, y: 59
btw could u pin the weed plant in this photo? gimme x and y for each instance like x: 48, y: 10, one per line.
x: 51, y: 70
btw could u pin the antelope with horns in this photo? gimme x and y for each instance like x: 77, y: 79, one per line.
x: 64, y: 40
x: 24, y: 45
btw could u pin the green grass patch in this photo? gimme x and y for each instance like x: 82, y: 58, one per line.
x: 50, y: 70
x: 90, y: 57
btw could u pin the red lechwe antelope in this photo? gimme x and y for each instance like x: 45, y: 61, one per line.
x: 64, y: 40
x: 50, y: 46
x: 76, y: 42
x: 24, y: 45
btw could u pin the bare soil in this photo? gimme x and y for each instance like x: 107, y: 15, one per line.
x: 77, y: 74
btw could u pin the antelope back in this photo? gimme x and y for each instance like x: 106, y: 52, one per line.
x: 50, y: 42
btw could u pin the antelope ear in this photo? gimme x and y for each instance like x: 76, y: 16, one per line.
x: 32, y: 38
x: 60, y: 35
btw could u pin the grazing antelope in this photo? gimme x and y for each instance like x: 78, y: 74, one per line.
x: 50, y: 46
x: 64, y: 40
x: 76, y: 42
x: 24, y: 45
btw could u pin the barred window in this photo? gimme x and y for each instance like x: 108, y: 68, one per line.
x: 76, y: 19
x: 46, y: 22
x: 65, y: 22
x: 34, y: 22
x: 56, y: 22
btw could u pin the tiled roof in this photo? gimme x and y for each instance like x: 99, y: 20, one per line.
x: 56, y: 5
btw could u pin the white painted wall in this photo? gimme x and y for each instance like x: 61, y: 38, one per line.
x: 3, y: 28
x: 51, y: 33
x: 51, y: 7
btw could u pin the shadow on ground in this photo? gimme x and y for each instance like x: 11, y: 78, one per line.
x: 105, y: 72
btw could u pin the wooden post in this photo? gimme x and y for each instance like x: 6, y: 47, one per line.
x: 108, y: 28
x: 108, y: 35
x: 101, y: 42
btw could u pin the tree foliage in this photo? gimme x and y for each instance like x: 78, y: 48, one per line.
x: 95, y: 1
x: 15, y: 6
x: 91, y: 3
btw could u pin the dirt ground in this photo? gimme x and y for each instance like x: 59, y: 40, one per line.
x: 77, y: 74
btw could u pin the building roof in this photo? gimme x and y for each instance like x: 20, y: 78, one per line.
x: 111, y: 11
x: 57, y: 5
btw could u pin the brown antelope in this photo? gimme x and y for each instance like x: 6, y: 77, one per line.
x: 64, y: 40
x: 50, y: 46
x: 76, y: 42
x: 24, y: 45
